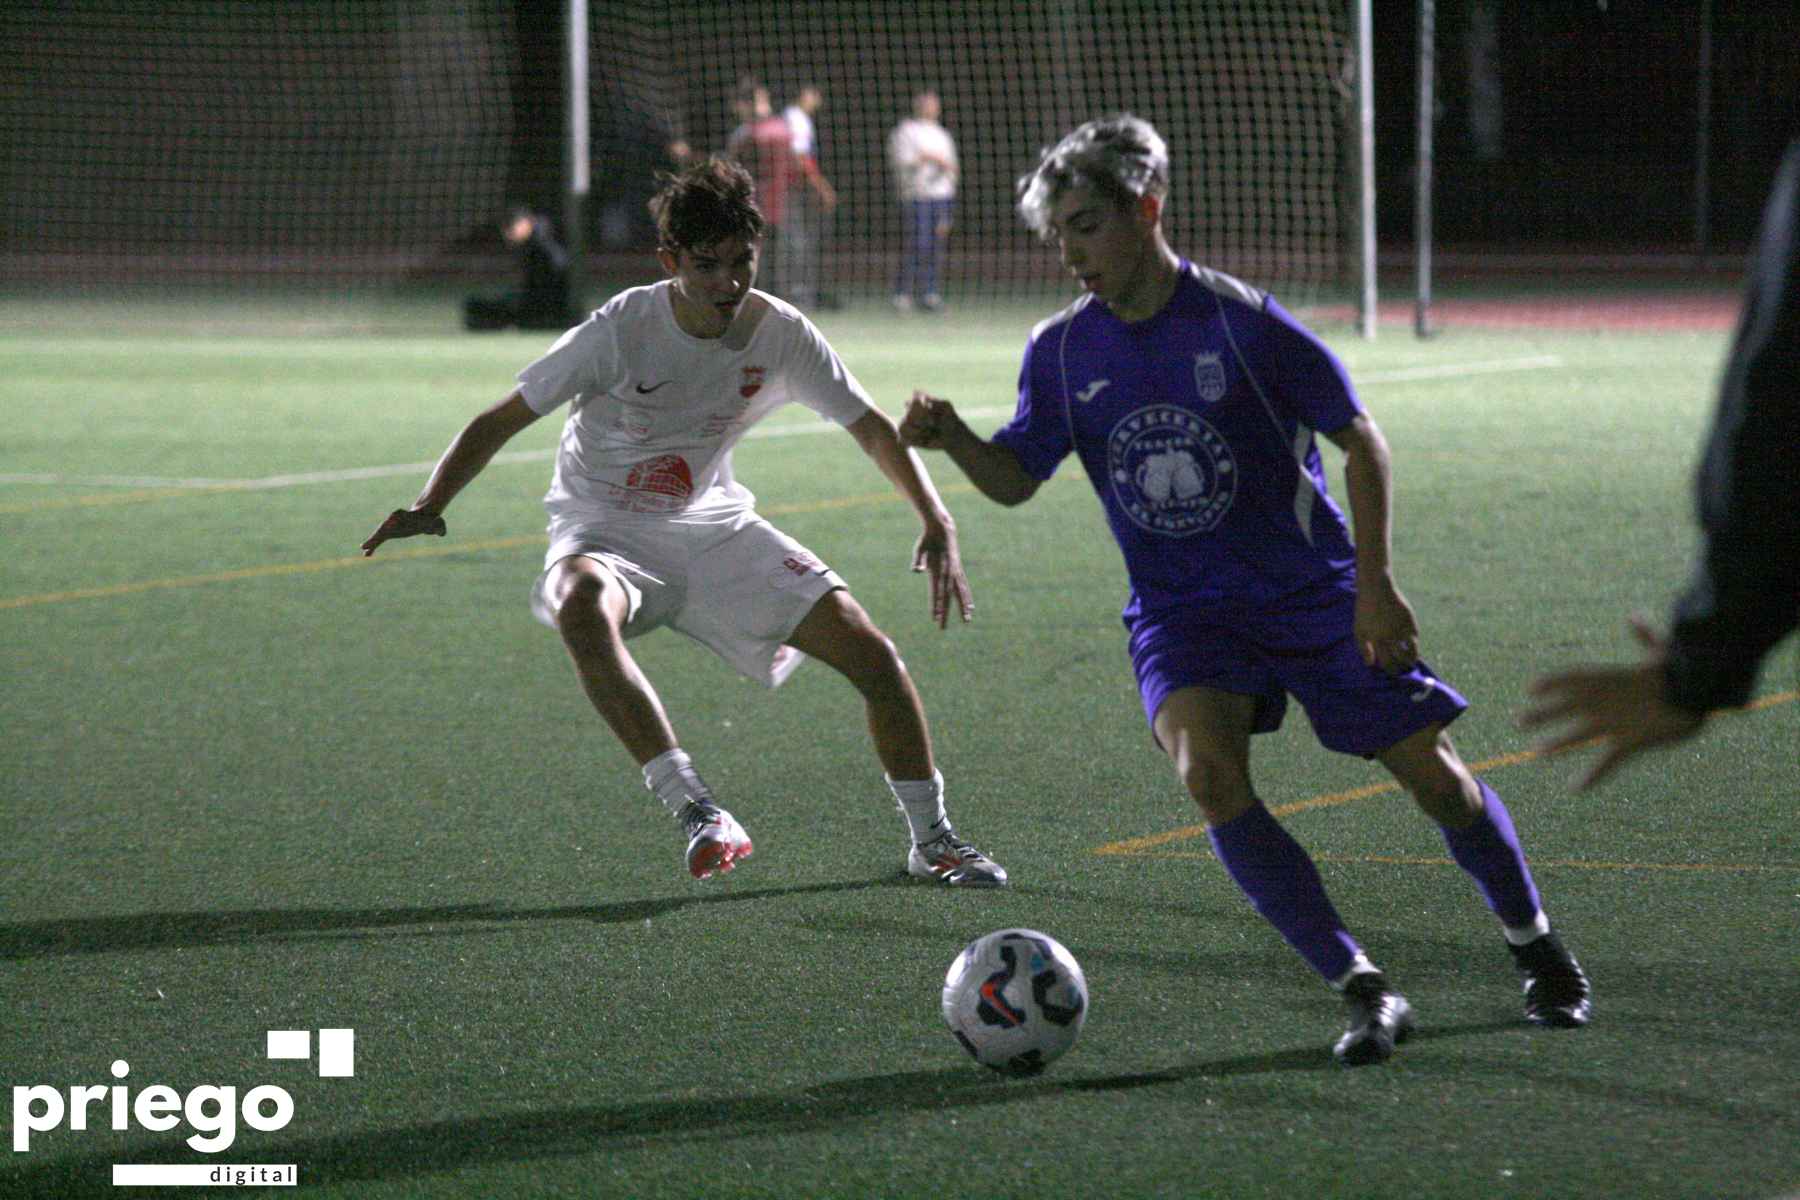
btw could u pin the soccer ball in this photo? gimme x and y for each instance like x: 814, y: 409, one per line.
x: 1016, y: 1000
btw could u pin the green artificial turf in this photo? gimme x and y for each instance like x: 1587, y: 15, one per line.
x: 254, y: 783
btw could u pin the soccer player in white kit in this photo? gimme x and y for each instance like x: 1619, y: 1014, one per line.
x: 649, y: 528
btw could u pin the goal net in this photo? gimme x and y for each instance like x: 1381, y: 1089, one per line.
x: 219, y: 141
x: 378, y: 141
x: 1253, y: 99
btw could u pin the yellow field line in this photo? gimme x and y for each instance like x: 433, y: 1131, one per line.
x: 107, y: 499
x: 267, y: 571
x: 391, y: 554
x: 1138, y: 845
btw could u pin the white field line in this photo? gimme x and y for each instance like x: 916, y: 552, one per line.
x: 1538, y: 362
x: 349, y: 475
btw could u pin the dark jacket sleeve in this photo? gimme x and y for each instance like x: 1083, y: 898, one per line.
x: 1745, y: 593
x: 546, y: 262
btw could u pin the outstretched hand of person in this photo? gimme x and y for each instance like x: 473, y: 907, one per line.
x: 927, y: 421
x: 405, y: 523
x: 1623, y: 710
x: 939, y: 558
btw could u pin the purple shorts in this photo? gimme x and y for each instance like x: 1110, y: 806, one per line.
x: 1304, y: 649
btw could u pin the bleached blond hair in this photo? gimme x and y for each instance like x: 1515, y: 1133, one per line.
x: 1120, y: 156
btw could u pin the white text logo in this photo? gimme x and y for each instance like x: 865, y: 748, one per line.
x: 212, y: 1111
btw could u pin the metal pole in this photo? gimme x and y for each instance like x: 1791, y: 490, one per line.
x: 575, y: 153
x: 1703, y: 137
x: 1365, y: 131
x: 1422, y: 210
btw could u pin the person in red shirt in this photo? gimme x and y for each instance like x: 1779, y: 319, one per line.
x: 764, y: 143
x: 809, y: 208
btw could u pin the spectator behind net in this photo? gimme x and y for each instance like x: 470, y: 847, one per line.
x: 543, y: 301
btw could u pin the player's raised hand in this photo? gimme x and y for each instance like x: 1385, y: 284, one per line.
x: 405, y: 523
x: 939, y: 557
x: 926, y: 422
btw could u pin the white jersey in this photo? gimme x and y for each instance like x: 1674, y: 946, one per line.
x: 655, y: 411
x: 806, y: 136
x: 919, y: 179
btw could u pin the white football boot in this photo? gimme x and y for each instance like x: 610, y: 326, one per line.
x: 715, y: 840
x: 950, y: 860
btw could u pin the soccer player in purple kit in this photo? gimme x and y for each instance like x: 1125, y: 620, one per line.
x: 1192, y: 400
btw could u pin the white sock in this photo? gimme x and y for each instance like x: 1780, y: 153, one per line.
x: 1360, y: 965
x: 672, y: 777
x: 922, y: 801
x: 1524, y: 935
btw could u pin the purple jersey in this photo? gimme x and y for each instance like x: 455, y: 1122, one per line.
x: 1196, y: 430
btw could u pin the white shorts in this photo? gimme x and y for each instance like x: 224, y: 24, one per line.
x: 738, y: 587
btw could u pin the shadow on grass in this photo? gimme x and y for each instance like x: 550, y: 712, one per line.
x: 580, y: 1131
x: 155, y: 931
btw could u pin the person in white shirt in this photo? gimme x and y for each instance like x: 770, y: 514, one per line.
x: 923, y: 156
x: 799, y: 116
x: 649, y: 527
x: 810, y: 208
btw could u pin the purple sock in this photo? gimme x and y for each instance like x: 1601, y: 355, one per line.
x: 1283, y: 885
x: 1488, y: 850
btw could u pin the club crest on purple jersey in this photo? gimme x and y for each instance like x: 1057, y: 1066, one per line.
x: 1171, y: 472
x: 1209, y: 377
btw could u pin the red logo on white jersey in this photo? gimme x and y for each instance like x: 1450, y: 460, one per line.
x: 753, y: 381
x: 665, y: 475
x: 802, y: 563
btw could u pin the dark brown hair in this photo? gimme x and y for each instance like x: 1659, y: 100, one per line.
x: 701, y: 205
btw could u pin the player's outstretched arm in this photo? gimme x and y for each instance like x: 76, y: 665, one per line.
x: 468, y: 453
x: 936, y: 554
x: 933, y: 424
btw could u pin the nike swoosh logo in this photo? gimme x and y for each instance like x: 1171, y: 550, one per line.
x: 1091, y: 390
x: 645, y: 391
x: 1424, y: 693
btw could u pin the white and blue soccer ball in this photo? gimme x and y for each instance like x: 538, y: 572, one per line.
x: 1016, y: 999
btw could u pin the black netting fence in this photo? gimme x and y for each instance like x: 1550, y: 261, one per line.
x: 374, y: 141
